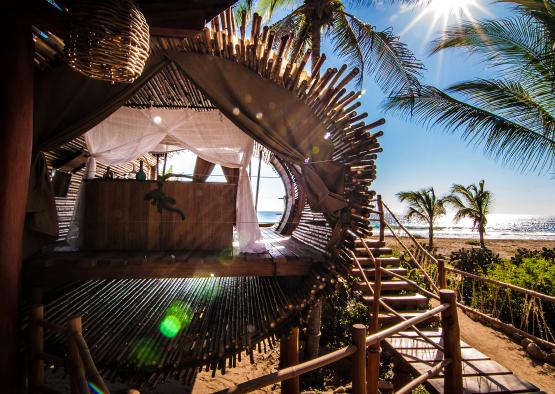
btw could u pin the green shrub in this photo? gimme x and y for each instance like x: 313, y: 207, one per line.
x: 522, y: 253
x: 534, y: 273
x: 476, y: 261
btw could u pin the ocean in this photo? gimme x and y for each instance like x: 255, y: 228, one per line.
x: 500, y: 226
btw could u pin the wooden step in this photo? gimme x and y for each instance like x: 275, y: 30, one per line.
x: 384, y: 261
x: 372, y: 243
x: 388, y: 319
x: 387, y: 286
x: 370, y: 272
x: 412, y: 301
x: 361, y: 251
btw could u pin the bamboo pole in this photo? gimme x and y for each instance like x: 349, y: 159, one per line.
x: 382, y: 221
x: 289, y: 355
x: 37, y: 342
x: 77, y: 369
x: 358, y: 335
x: 453, y: 380
x: 258, y: 181
x: 373, y: 368
x: 441, y: 274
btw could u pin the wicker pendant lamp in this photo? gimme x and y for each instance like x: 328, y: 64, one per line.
x: 108, y: 40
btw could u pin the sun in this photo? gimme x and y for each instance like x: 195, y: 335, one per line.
x: 446, y: 8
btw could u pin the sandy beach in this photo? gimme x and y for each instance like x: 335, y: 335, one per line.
x: 506, y: 248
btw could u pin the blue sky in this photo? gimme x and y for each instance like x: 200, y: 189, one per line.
x: 414, y: 157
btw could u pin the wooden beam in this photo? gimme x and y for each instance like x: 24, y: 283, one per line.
x: 16, y: 136
x: 168, y: 32
x: 289, y: 356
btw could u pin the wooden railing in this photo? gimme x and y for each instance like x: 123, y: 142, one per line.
x: 436, y: 273
x: 84, y: 376
x: 451, y: 365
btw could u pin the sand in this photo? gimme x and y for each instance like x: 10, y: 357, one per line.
x: 504, y: 247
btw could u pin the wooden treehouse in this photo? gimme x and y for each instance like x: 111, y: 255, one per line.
x: 167, y: 277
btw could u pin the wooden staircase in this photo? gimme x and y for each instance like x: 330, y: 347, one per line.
x: 399, y: 300
x: 395, y: 292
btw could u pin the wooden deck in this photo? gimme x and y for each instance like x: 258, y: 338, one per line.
x: 480, y: 373
x: 285, y: 257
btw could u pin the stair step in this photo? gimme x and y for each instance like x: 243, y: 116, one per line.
x: 406, y: 300
x: 387, y: 286
x: 361, y: 250
x: 372, y: 243
x: 389, y: 319
x: 384, y: 261
x: 371, y: 273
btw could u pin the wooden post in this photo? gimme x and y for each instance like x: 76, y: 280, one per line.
x: 441, y: 274
x: 373, y: 368
x: 16, y: 136
x: 453, y: 380
x: 36, y: 374
x: 313, y: 332
x: 382, y: 218
x: 358, y: 333
x: 77, y: 370
x: 289, y: 355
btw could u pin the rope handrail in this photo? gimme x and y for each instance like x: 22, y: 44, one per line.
x: 409, y: 234
x: 413, y: 259
x: 330, y: 358
x: 382, y: 302
x: 503, y: 284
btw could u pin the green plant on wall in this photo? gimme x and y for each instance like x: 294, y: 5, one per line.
x: 160, y: 199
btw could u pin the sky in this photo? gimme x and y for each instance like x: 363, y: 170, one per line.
x: 413, y: 157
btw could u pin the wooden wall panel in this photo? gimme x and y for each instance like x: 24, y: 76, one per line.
x: 118, y: 218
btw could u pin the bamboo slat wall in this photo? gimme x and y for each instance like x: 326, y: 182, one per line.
x: 66, y: 205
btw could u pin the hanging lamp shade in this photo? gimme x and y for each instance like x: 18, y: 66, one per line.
x: 108, y: 40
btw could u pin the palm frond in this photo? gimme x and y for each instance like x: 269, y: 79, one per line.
x: 512, y: 101
x: 393, y: 66
x: 516, y: 44
x: 542, y: 11
x: 268, y: 7
x: 503, y: 139
x: 345, y: 43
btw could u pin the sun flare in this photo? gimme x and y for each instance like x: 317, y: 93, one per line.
x: 443, y: 8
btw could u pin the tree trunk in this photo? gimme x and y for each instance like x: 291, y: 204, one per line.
x: 482, y: 242
x: 316, y: 38
x: 431, y: 237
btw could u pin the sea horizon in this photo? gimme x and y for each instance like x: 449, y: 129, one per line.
x: 500, y: 226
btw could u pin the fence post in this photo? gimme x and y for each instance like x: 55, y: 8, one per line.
x: 382, y: 217
x: 453, y: 380
x: 441, y: 274
x: 289, y: 354
x: 358, y: 333
x: 37, y: 341
x: 77, y: 369
x: 373, y: 367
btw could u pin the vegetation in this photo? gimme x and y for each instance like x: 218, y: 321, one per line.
x: 511, y: 116
x: 377, y: 53
x: 424, y: 206
x: 474, y: 261
x: 473, y: 202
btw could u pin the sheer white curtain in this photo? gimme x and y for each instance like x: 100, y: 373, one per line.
x: 130, y: 133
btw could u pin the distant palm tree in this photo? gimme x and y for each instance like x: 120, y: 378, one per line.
x: 378, y: 53
x: 424, y: 206
x: 472, y: 202
x: 513, y: 114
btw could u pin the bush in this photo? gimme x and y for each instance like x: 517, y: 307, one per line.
x: 522, y: 253
x: 534, y: 273
x: 476, y: 261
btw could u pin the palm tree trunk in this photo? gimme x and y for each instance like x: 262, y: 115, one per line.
x: 316, y: 38
x: 431, y: 237
x: 482, y: 242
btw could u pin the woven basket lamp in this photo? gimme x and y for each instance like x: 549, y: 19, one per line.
x: 108, y: 40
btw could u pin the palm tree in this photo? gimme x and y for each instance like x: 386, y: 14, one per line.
x: 379, y: 53
x: 472, y: 202
x: 424, y: 206
x: 512, y: 116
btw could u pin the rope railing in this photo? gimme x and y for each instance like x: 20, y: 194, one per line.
x: 357, y: 350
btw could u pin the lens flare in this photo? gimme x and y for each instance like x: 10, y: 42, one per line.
x: 145, y: 352
x: 176, y: 317
x: 94, y: 388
